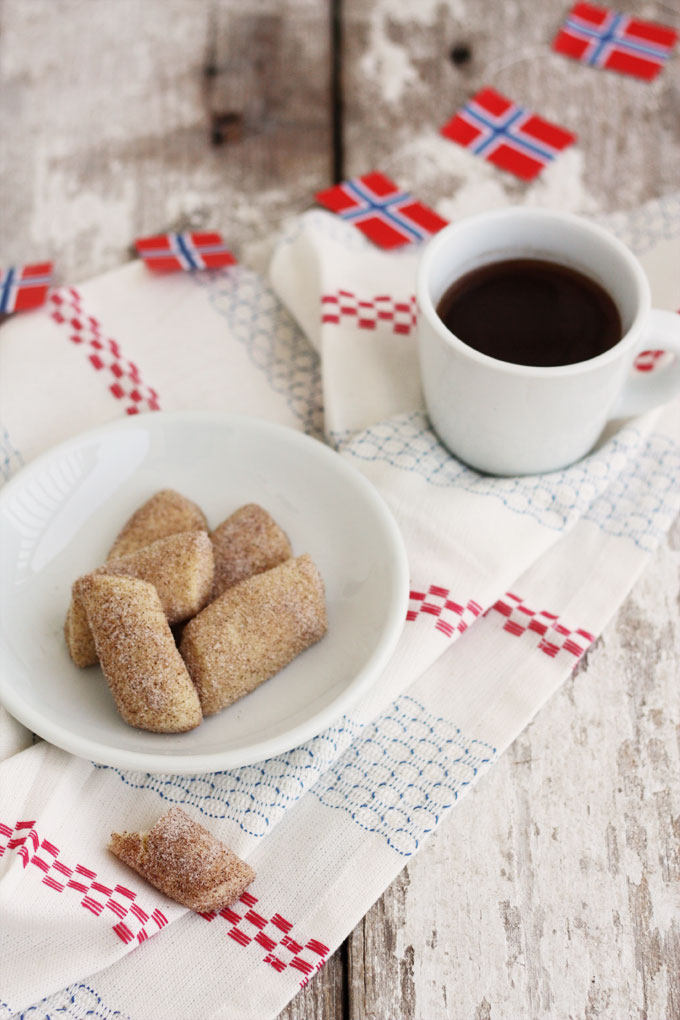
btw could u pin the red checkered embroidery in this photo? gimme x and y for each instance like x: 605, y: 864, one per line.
x: 346, y: 308
x: 248, y: 927
x: 647, y: 361
x: 452, y: 617
x: 553, y: 636
x: 96, y: 896
x: 104, y: 354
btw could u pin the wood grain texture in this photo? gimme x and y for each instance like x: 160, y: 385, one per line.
x: 325, y: 995
x: 552, y: 890
x: 107, y: 117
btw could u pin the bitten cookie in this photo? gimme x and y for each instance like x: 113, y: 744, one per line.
x: 254, y: 630
x: 138, y: 655
x: 181, y: 570
x: 166, y: 513
x: 185, y: 861
x: 247, y: 543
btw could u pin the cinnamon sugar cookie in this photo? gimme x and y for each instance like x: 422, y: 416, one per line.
x: 180, y: 568
x: 166, y: 513
x: 78, y: 635
x: 185, y: 861
x: 253, y: 630
x: 247, y: 543
x: 138, y: 655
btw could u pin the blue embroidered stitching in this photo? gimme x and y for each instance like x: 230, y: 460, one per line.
x: 406, y: 729
x: 408, y: 443
x: 401, y: 808
x: 81, y: 997
x: 10, y: 457
x: 272, y: 338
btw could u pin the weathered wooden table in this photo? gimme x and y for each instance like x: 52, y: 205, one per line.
x: 553, y: 889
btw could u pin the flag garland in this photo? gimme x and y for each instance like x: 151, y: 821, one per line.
x: 24, y: 287
x: 388, y: 216
x: 511, y: 137
x: 489, y: 124
x: 188, y: 251
x: 604, y: 38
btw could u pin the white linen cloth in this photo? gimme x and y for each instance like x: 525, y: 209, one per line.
x: 511, y: 580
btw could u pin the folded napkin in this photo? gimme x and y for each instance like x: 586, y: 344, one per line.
x: 512, y: 579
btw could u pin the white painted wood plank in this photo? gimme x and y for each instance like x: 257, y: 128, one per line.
x: 107, y: 117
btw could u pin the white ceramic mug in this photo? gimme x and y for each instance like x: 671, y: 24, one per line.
x: 509, y: 419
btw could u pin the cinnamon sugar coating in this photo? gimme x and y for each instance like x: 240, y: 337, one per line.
x: 78, y: 635
x: 185, y: 861
x: 247, y: 543
x: 180, y: 568
x: 138, y: 655
x: 253, y: 630
x: 166, y: 513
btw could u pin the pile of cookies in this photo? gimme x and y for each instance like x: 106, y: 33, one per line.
x: 241, y: 606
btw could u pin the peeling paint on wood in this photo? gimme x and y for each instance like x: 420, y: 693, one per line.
x: 107, y: 124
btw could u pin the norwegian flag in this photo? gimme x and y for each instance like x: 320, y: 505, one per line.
x: 514, y: 139
x: 169, y: 252
x: 603, y: 38
x: 23, y: 287
x: 387, y: 216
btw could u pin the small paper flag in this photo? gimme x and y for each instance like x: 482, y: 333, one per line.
x: 514, y: 139
x: 24, y: 287
x: 389, y: 217
x: 170, y: 252
x: 603, y: 38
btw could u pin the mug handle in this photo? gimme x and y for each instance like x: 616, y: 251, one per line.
x: 643, y: 392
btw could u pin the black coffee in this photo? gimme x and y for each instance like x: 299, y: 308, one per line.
x: 531, y: 312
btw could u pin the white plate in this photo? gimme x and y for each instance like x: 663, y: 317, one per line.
x: 59, y: 516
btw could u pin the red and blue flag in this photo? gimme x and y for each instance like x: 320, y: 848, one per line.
x: 388, y: 216
x: 603, y: 38
x: 514, y: 139
x: 196, y: 250
x: 24, y: 287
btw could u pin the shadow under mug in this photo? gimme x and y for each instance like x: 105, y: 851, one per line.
x: 508, y: 419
